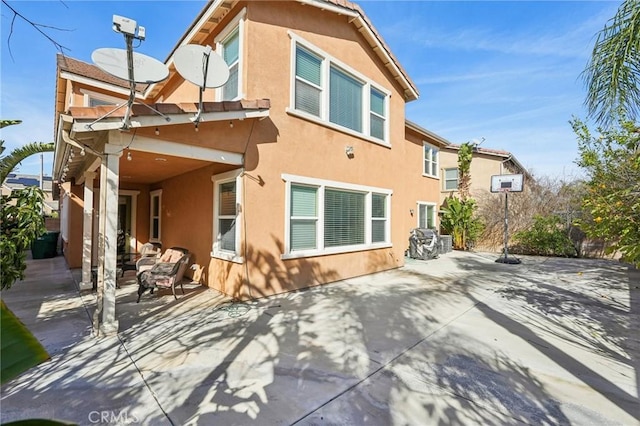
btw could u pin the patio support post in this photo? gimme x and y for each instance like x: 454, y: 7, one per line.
x: 108, y: 240
x: 87, y: 231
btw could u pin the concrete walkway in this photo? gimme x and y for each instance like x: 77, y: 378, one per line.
x: 456, y: 340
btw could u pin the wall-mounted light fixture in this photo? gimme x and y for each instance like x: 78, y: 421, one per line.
x: 129, y: 158
x: 82, y: 152
x: 157, y: 132
x: 349, y: 151
x: 411, y: 212
x: 231, y: 124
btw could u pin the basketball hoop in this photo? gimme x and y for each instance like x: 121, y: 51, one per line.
x: 504, y: 184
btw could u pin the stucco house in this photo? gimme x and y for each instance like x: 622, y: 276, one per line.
x: 485, y: 163
x: 16, y: 181
x: 302, y: 171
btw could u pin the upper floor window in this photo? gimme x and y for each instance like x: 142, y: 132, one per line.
x: 378, y: 119
x: 430, y: 160
x: 330, y: 92
x: 229, y: 46
x: 450, y: 179
x: 231, y: 55
x: 308, y: 84
x: 93, y: 99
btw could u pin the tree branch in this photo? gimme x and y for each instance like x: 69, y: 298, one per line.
x: 38, y: 27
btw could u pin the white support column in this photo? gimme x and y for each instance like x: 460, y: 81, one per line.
x: 109, y: 238
x: 87, y: 231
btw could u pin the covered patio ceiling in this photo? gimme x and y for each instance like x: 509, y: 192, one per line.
x: 147, y: 168
x: 83, y: 134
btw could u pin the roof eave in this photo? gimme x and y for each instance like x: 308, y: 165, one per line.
x: 427, y: 133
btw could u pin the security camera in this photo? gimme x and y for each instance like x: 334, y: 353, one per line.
x: 124, y: 25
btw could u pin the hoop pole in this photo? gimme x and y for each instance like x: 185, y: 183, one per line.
x: 506, y: 224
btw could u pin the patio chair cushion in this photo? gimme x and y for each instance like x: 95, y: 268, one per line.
x: 171, y: 256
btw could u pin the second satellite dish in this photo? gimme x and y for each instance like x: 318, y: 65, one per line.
x: 145, y: 68
x: 201, y: 66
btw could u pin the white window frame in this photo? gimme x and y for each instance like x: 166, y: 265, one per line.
x: 434, y: 215
x: 155, y: 194
x: 445, y: 180
x: 384, y: 219
x: 431, y: 150
x: 322, y: 184
x: 217, y: 252
x: 65, y: 217
x: 238, y: 23
x: 327, y: 63
x: 90, y: 94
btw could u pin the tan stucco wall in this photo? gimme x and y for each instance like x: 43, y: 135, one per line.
x: 482, y: 168
x: 283, y: 143
x: 72, y: 247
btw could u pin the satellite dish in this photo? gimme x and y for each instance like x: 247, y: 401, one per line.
x: 201, y: 66
x: 145, y: 68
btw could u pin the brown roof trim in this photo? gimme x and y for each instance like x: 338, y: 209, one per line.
x: 84, y: 69
x: 411, y: 91
x: 356, y: 8
x: 138, y: 110
x: 496, y: 153
x: 427, y: 133
x: 487, y: 151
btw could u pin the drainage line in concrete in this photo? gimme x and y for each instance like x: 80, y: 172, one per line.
x: 144, y: 380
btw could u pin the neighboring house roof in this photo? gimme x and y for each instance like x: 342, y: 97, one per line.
x: 496, y: 153
x: 17, y: 181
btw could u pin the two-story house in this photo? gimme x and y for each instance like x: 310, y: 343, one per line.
x: 484, y: 164
x: 302, y: 171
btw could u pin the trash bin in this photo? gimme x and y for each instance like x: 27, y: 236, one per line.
x: 45, y: 246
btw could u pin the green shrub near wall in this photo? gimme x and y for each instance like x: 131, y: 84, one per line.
x: 548, y: 236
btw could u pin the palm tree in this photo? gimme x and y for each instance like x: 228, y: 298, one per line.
x: 9, y: 162
x: 612, y: 75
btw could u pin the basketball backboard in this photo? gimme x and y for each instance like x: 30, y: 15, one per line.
x: 507, y: 183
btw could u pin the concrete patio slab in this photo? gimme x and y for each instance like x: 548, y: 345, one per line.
x: 456, y: 340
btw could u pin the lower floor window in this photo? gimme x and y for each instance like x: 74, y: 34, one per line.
x: 227, y: 198
x: 344, y: 218
x: 426, y: 215
x: 327, y: 216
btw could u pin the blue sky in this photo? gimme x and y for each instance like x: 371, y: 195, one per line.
x: 505, y: 71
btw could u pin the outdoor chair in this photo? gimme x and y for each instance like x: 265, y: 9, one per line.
x: 167, y: 273
x: 148, y: 251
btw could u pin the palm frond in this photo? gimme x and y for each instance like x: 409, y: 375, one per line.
x: 612, y: 76
x: 8, y: 163
x: 5, y: 123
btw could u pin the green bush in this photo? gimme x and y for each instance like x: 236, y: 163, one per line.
x: 20, y: 224
x: 548, y: 236
x: 459, y: 220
